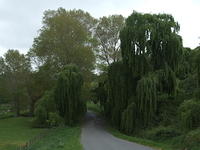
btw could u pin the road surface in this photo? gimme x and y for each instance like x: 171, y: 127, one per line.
x: 95, y: 137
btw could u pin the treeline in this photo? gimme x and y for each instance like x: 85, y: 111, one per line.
x: 153, y: 92
x: 42, y: 83
x: 148, y: 84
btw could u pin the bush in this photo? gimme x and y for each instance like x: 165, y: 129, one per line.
x: 187, y: 87
x: 192, y: 140
x: 189, y: 113
x: 44, y: 107
x: 54, y: 120
x: 41, y: 116
x: 162, y: 133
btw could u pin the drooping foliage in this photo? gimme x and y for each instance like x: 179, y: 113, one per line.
x: 116, y: 93
x: 129, y: 119
x: 167, y: 81
x: 151, y: 49
x: 150, y: 40
x: 185, y: 65
x: 146, y: 98
x: 45, y: 106
x: 68, y: 95
x: 189, y: 113
x: 197, y: 62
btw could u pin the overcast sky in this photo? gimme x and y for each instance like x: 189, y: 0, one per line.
x: 20, y: 20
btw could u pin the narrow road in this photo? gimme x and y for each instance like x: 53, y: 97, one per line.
x: 95, y: 137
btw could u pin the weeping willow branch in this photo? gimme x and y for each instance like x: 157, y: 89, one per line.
x: 147, y: 97
x: 68, y: 95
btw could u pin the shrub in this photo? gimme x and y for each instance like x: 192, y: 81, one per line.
x: 162, y: 133
x: 41, y: 117
x: 54, y: 119
x: 187, y: 87
x: 43, y: 108
x: 189, y: 113
x: 192, y: 140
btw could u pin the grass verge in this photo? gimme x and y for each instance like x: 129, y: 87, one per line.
x: 62, y: 138
x: 153, y: 144
x: 15, y: 132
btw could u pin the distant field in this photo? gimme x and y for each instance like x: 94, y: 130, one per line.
x: 16, y: 131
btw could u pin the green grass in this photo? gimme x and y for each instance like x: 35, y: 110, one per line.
x: 62, y: 138
x: 153, y: 144
x: 93, y: 107
x: 15, y: 132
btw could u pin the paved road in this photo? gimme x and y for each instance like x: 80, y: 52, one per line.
x: 95, y: 137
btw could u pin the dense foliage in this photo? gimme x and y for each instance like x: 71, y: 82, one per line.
x: 145, y: 81
x: 68, y: 95
x: 154, y: 90
x: 150, y: 48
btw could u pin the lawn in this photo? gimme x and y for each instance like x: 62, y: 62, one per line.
x: 62, y: 138
x: 16, y: 131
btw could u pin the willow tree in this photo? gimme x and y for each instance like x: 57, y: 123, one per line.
x: 197, y: 65
x: 151, y: 48
x: 117, y: 99
x: 68, y: 95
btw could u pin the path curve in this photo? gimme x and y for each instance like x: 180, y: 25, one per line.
x: 95, y: 137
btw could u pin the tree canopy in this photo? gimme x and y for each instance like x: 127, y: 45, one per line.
x: 64, y: 39
x: 107, y: 35
x: 151, y: 49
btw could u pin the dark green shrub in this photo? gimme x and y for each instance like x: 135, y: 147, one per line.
x: 187, y: 87
x: 128, y: 123
x: 54, y: 119
x: 41, y: 117
x: 192, y: 140
x: 189, y: 113
x: 162, y: 133
x: 43, y: 108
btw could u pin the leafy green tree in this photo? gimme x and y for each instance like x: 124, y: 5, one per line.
x: 4, y: 95
x: 151, y: 50
x: 86, y: 20
x: 107, y: 35
x: 68, y: 95
x: 36, y: 87
x: 63, y: 40
x: 16, y: 70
